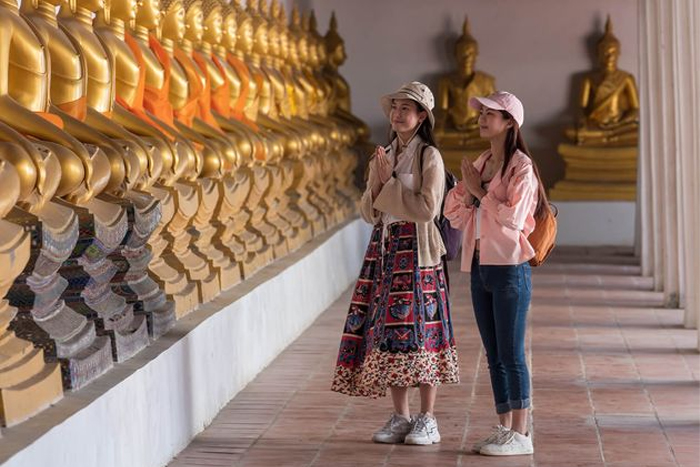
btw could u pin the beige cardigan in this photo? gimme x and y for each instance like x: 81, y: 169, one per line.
x: 421, y: 206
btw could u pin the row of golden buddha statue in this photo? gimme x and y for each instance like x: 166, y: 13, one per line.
x: 601, y: 155
x: 152, y: 155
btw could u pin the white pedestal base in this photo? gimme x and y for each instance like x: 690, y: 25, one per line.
x: 592, y: 223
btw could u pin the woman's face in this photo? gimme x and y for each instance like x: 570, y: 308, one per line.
x: 404, y: 116
x: 492, y: 123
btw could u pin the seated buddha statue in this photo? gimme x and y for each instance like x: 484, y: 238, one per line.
x: 601, y: 155
x: 340, y: 101
x: 456, y: 124
x: 141, y: 159
x: 609, y: 100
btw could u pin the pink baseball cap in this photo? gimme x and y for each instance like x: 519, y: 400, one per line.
x: 501, y: 100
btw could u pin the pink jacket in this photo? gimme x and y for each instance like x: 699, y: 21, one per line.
x: 507, y: 213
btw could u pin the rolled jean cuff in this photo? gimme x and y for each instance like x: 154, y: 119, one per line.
x: 519, y: 404
x: 505, y: 407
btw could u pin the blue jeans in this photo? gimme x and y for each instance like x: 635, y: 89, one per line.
x: 501, y: 298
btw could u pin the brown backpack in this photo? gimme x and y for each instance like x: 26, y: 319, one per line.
x: 543, y: 237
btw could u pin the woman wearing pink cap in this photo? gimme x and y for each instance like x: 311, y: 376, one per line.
x: 398, y: 332
x: 495, y: 205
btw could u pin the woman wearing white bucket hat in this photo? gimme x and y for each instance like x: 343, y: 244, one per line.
x: 495, y: 205
x: 398, y: 332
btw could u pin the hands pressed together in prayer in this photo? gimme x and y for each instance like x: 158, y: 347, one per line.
x: 382, y: 167
x: 472, y: 181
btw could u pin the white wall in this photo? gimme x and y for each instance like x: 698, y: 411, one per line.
x: 146, y: 410
x: 533, y: 48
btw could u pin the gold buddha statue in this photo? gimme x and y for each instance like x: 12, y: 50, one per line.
x: 456, y: 124
x: 340, y: 102
x: 141, y: 160
x: 140, y: 164
x: 265, y: 180
x: 307, y: 166
x: 103, y: 224
x: 195, y: 195
x: 291, y: 129
x: 343, y: 161
x: 55, y: 164
x: 178, y: 198
x: 245, y: 98
x: 216, y: 94
x: 601, y: 159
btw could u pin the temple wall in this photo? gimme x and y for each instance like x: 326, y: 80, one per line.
x: 534, y: 49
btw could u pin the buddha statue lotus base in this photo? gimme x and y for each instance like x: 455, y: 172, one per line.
x: 103, y: 226
x: 132, y: 258
x: 43, y: 317
x: 27, y: 383
x: 205, y: 228
x: 597, y: 173
x: 174, y: 282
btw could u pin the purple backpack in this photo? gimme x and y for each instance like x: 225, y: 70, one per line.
x: 451, y: 237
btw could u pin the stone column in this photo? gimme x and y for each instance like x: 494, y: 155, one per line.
x: 669, y: 149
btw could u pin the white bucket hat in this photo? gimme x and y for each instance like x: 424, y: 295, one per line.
x: 416, y: 91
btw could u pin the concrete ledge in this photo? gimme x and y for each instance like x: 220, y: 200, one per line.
x: 143, y: 412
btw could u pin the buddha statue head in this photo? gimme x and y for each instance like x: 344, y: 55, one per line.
x: 297, y: 40
x: 212, y: 22
x: 70, y: 8
x: 260, y: 39
x: 229, y: 27
x: 334, y: 44
x: 244, y: 35
x: 172, y: 25
x: 274, y: 38
x: 318, y: 54
x: 608, y: 48
x: 123, y: 10
x: 466, y: 50
x: 284, y: 42
x: 194, y: 21
x: 148, y: 14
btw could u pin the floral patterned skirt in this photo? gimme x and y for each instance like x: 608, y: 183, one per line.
x: 398, y: 330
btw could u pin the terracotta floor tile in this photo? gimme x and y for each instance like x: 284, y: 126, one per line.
x: 614, y: 384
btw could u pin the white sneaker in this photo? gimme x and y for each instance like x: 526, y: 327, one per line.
x: 498, y: 432
x: 394, y: 430
x: 512, y: 444
x: 425, y: 431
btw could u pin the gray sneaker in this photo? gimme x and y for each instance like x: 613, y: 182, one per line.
x: 425, y: 431
x: 394, y: 430
x: 513, y: 444
x: 498, y: 432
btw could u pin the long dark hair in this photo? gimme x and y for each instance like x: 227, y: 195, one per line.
x: 425, y: 130
x: 515, y: 141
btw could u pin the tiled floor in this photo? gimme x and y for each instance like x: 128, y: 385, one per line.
x: 615, y: 383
